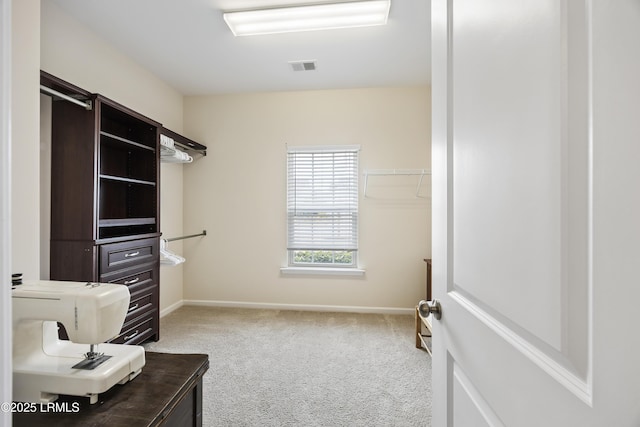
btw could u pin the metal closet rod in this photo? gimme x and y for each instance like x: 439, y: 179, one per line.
x: 61, y: 95
x: 204, y: 233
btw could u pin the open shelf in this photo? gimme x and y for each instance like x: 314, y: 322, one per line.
x: 123, y: 159
x: 110, y: 228
x: 184, y: 143
x: 126, y: 222
x: 127, y: 126
x: 126, y: 200
x: 126, y: 141
x: 127, y: 180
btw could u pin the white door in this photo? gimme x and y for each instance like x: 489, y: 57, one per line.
x: 536, y: 212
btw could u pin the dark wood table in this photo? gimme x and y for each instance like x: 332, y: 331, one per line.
x: 423, y: 339
x: 428, y: 282
x: 168, y: 392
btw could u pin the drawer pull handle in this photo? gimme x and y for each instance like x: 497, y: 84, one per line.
x: 136, y: 253
x: 132, y: 281
x: 133, y: 307
x: 128, y: 337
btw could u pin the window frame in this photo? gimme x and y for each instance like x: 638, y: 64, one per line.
x: 350, y: 154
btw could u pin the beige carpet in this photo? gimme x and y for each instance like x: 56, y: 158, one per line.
x: 293, y: 368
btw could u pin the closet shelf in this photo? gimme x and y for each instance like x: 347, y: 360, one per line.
x: 127, y: 141
x: 126, y: 221
x: 182, y: 142
x: 127, y: 180
x: 391, y: 172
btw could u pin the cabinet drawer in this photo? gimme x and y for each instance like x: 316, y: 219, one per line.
x: 135, y: 279
x: 136, y: 331
x: 117, y: 256
x: 141, y: 302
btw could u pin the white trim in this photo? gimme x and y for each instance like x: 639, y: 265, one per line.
x: 322, y: 271
x: 590, y: 195
x: 6, y: 377
x: 302, y: 307
x: 321, y: 148
x: 173, y: 307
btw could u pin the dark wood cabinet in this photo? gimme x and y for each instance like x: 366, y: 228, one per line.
x: 134, y: 263
x: 105, y: 194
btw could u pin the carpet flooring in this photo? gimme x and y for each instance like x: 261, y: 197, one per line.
x: 300, y: 368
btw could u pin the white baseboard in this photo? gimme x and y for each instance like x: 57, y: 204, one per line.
x: 171, y: 308
x: 301, y: 307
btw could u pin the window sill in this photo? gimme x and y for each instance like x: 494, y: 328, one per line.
x: 322, y: 271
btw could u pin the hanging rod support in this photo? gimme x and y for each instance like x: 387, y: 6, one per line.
x: 204, y: 233
x: 87, y: 105
x: 419, y: 184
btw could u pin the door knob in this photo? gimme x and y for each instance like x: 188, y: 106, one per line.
x: 427, y: 307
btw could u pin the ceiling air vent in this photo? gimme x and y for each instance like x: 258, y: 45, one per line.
x: 303, y: 65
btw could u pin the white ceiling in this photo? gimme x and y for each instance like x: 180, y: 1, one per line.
x: 187, y: 44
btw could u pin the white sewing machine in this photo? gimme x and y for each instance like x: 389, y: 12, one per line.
x: 45, y: 366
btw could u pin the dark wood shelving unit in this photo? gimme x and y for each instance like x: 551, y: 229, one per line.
x: 105, y: 198
x: 105, y: 193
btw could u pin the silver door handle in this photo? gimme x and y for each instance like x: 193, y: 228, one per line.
x: 132, y: 254
x: 425, y: 308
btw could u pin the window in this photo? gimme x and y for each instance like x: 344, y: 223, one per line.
x: 322, y: 206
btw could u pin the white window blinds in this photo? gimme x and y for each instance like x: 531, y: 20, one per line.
x: 322, y: 198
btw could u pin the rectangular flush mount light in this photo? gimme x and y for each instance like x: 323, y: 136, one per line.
x: 308, y: 18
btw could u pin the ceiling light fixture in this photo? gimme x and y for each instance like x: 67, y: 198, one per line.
x: 308, y: 18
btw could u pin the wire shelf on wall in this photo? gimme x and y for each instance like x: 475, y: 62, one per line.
x: 391, y: 172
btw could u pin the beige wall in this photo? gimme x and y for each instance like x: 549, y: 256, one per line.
x: 71, y: 51
x: 74, y: 53
x: 237, y: 193
x: 25, y: 163
x: 171, y: 277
